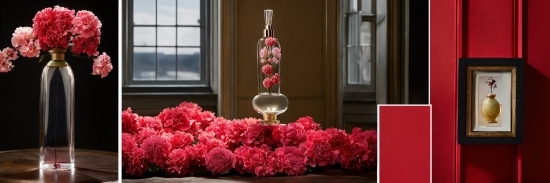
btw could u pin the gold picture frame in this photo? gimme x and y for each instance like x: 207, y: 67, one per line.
x: 476, y: 78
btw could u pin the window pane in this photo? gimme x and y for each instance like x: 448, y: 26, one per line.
x: 189, y: 12
x: 144, y: 36
x: 144, y: 12
x: 144, y: 63
x: 166, y: 12
x: 366, y: 33
x: 189, y: 36
x: 166, y: 63
x: 365, y: 65
x: 166, y: 36
x: 189, y: 64
x: 353, y: 60
x: 366, y: 7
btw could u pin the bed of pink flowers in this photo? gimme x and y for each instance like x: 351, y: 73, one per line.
x: 185, y: 138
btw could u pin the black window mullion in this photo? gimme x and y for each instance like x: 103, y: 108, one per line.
x: 156, y: 40
x: 176, y: 47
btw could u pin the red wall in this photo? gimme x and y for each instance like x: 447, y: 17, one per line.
x: 490, y: 28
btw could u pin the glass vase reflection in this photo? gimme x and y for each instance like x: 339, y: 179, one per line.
x: 269, y: 102
x: 57, y: 113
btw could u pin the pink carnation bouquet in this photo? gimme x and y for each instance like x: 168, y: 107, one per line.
x: 59, y: 27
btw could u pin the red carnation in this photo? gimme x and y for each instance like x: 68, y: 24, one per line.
x: 136, y: 164
x: 175, y: 118
x: 308, y: 123
x: 52, y: 27
x: 180, y: 140
x: 129, y: 123
x: 219, y: 160
x: 254, y: 160
x: 354, y: 156
x: 86, y: 45
x: 178, y: 163
x: 292, y: 134
x: 290, y: 160
x: 128, y: 146
x: 149, y: 122
x: 156, y: 150
x: 339, y: 138
x: 196, y: 154
x: 143, y: 134
x: 318, y: 149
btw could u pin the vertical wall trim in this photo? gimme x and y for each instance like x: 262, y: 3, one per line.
x: 226, y: 94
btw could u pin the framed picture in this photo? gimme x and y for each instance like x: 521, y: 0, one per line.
x: 490, y: 101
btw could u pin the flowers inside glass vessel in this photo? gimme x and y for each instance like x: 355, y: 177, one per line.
x: 269, y: 102
x: 57, y: 32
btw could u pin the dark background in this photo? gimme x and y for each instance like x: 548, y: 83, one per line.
x: 96, y: 99
x: 418, y: 52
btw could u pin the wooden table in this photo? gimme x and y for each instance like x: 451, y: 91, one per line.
x: 90, y: 166
x: 318, y: 176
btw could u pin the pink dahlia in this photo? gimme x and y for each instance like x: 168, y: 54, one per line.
x: 290, y: 160
x: 178, y: 163
x: 86, y: 24
x: 292, y: 134
x: 128, y: 146
x: 102, y: 65
x: 136, y: 164
x: 318, y: 149
x: 276, y: 52
x: 129, y: 123
x: 219, y: 160
x: 175, y: 118
x: 270, y: 41
x: 308, y: 123
x: 52, y: 27
x: 156, y: 150
x: 180, y: 140
x: 267, y: 69
x: 275, y: 79
x: 267, y: 82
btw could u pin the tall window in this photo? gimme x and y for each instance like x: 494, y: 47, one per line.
x: 168, y: 45
x: 361, y: 47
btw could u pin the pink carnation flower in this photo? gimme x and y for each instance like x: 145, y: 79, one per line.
x: 128, y: 146
x: 270, y: 41
x: 129, y: 123
x: 318, y: 149
x: 181, y: 140
x: 136, y: 164
x: 102, y: 65
x: 178, y: 163
x: 292, y: 134
x: 267, y: 82
x: 254, y: 135
x: 86, y: 45
x: 86, y: 24
x: 276, y: 52
x: 219, y: 160
x: 156, y: 150
x: 9, y: 54
x: 291, y: 160
x: 143, y: 134
x: 263, y: 52
x: 149, y: 122
x: 275, y: 79
x: 254, y: 160
x: 308, y: 123
x: 267, y: 69
x: 175, y: 118
x: 5, y: 64
x: 52, y: 27
x: 196, y: 154
x: 23, y: 41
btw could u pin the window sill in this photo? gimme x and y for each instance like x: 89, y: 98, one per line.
x: 150, y: 102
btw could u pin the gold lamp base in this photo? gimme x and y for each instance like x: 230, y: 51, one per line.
x: 270, y: 119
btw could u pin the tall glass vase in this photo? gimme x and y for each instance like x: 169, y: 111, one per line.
x: 57, y: 113
x: 269, y: 102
